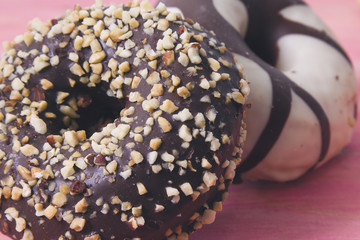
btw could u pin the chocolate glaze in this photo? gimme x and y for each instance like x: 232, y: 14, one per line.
x: 110, y: 225
x: 265, y: 28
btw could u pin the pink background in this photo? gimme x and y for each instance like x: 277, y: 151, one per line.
x: 323, y: 205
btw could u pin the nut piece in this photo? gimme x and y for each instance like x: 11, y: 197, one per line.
x: 50, y: 211
x: 163, y: 24
x: 97, y: 57
x: 157, y: 90
x: 100, y: 160
x: 59, y: 199
x: 78, y: 224
x: 77, y: 70
x: 209, y: 179
x: 186, y: 188
x: 155, y: 143
x: 71, y: 138
x: 164, y: 124
x: 46, y: 84
x: 168, y: 106
x: 169, y: 58
x: 16, y: 193
x: 38, y: 124
x: 238, y: 97
x: 136, y: 156
x: 153, y: 78
x: 29, y: 150
x: 93, y: 237
x: 28, y: 235
x: 208, y: 216
x: 141, y: 188
x: 111, y: 167
x: 194, y: 56
x: 77, y: 187
x: 170, y: 191
x: 81, y: 206
x: 185, y: 134
x: 183, y: 92
x: 20, y: 224
x: 214, y: 64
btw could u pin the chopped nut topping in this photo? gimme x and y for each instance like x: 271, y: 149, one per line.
x: 168, y: 106
x: 170, y: 191
x: 137, y: 157
x: 65, y: 189
x: 186, y: 188
x: 16, y: 193
x: 77, y: 187
x: 77, y: 70
x: 166, y: 157
x: 169, y: 58
x: 93, y: 237
x: 183, y: 59
x: 154, y: 78
x: 28, y: 235
x: 46, y: 84
x: 163, y: 24
x: 209, y: 179
x: 208, y: 216
x: 50, y: 211
x: 194, y: 56
x: 183, y: 115
x: 120, y: 131
x: 183, y: 92
x: 81, y: 206
x: 78, y: 224
x: 141, y: 188
x: 111, y: 167
x: 159, y: 208
x: 20, y: 224
x: 164, y: 124
x: 71, y: 138
x: 100, y: 160
x: 155, y: 143
x: 59, y: 199
x: 157, y: 90
x: 29, y: 150
x: 185, y: 134
x: 214, y: 64
x: 96, y: 57
x: 238, y: 97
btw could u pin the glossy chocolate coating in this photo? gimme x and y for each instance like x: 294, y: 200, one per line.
x: 96, y: 183
x: 260, y: 44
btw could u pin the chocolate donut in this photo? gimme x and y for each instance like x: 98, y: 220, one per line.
x: 120, y: 122
x: 303, y: 103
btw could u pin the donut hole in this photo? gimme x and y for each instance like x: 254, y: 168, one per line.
x: 97, y: 111
x: 94, y: 110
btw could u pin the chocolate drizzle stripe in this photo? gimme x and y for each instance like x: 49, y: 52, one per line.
x: 278, y: 117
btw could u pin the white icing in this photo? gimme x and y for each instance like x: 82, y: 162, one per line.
x: 324, y: 73
x: 296, y: 150
x: 260, y: 99
x: 304, y: 15
x: 234, y: 12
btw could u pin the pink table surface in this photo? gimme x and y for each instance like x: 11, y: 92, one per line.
x: 323, y: 205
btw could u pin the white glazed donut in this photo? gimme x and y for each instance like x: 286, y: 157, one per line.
x: 303, y: 100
